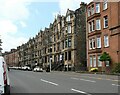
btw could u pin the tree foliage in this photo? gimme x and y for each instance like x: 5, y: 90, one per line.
x: 105, y: 57
x: 116, y: 69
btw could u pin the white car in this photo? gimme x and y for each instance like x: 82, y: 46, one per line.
x: 4, y: 79
x: 26, y: 68
x: 38, y: 69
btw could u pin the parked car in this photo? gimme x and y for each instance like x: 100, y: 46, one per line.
x: 38, y: 69
x: 4, y: 78
x: 26, y: 68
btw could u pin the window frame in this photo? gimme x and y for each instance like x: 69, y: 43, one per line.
x: 98, y: 23
x: 105, y: 20
x: 99, y: 62
x: 99, y: 40
x: 105, y: 5
x: 97, y: 8
x: 106, y: 38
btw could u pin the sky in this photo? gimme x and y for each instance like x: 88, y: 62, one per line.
x: 23, y: 19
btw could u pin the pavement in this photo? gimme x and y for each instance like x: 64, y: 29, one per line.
x: 63, y: 82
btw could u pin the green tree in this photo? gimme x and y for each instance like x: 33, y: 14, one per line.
x: 105, y: 57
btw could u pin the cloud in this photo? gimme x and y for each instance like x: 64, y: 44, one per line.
x: 10, y: 42
x: 23, y: 24
x: 6, y: 26
x: 71, y: 4
x: 12, y: 11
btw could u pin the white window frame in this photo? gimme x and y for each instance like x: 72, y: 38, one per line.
x: 106, y: 41
x: 89, y: 11
x: 105, y: 21
x: 99, y: 62
x: 98, y: 24
x: 94, y: 61
x: 107, y: 63
x: 69, y: 28
x: 62, y: 23
x: 98, y: 42
x: 93, y: 41
x: 90, y: 45
x: 105, y: 4
x: 97, y: 7
x: 68, y: 18
x: 91, y: 61
x: 69, y: 42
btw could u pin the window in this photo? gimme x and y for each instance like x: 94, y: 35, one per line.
x: 92, y: 10
x: 90, y: 61
x: 93, y: 25
x: 69, y: 42
x: 68, y: 18
x: 62, y: 23
x: 55, y: 29
x: 54, y: 48
x: 69, y: 55
x: 58, y: 46
x: 90, y: 27
x: 104, y: 4
x: 90, y: 44
x: 62, y: 44
x: 105, y: 21
x: 54, y: 38
x: 65, y: 55
x: 89, y: 11
x: 97, y: 8
x: 107, y: 63
x: 106, y: 41
x: 94, y: 61
x: 99, y: 62
x: 66, y: 43
x: 98, y: 42
x: 69, y: 29
x: 93, y: 43
x: 98, y: 25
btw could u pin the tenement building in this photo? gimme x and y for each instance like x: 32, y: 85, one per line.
x: 103, y: 34
x: 62, y: 45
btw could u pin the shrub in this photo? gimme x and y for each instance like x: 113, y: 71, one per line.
x: 116, y: 69
x: 93, y: 70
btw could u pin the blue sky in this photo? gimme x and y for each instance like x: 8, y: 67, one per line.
x: 22, y: 19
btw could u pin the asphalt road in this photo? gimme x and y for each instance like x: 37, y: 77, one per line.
x: 63, y: 82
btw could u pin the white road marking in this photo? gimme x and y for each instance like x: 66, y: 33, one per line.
x: 75, y: 78
x: 80, y: 91
x: 88, y: 80
x: 83, y: 79
x: 49, y: 82
x: 115, y: 85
